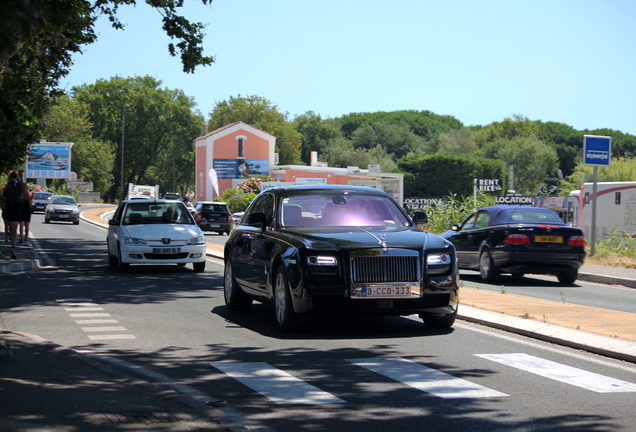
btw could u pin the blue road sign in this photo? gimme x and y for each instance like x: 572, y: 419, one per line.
x: 597, y: 150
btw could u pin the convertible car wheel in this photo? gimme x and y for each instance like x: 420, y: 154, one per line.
x: 487, y: 269
x: 568, y: 277
x: 285, y: 315
x: 235, y: 299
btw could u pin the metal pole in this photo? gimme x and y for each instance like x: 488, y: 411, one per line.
x: 594, y: 200
x: 123, y: 126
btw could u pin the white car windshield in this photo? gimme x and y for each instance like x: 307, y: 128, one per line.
x: 341, y: 210
x: 141, y: 212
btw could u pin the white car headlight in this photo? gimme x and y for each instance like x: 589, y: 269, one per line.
x: 196, y: 240
x: 325, y: 260
x: 132, y: 240
x: 438, y: 259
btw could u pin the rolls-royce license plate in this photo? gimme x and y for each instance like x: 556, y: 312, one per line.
x: 386, y: 291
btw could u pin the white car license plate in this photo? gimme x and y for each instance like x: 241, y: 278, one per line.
x: 166, y: 250
x: 386, y: 291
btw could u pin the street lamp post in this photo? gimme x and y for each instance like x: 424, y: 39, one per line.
x: 123, y: 126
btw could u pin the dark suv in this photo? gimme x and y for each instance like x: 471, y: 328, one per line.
x: 213, y: 216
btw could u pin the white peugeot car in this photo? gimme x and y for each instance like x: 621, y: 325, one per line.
x: 154, y: 232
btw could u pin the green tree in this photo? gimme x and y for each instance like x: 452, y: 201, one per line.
x: 533, y: 160
x: 158, y: 135
x: 315, y: 134
x: 425, y: 124
x: 258, y: 112
x: 457, y: 141
x: 37, y: 41
x: 511, y: 127
x: 91, y: 159
x: 397, y: 140
x: 341, y: 153
x: 237, y: 200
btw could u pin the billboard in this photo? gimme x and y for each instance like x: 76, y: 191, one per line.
x: 49, y: 160
x: 240, y: 168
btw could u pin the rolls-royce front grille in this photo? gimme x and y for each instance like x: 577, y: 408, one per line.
x: 378, y: 269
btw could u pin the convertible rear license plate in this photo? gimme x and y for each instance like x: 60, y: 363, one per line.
x: 166, y: 250
x: 386, y: 291
x: 548, y: 239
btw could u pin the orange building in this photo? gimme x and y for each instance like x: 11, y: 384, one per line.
x: 239, y: 151
x: 235, y: 152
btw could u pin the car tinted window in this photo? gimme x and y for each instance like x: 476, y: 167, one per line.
x: 264, y: 203
x: 534, y: 216
x: 41, y: 196
x: 341, y: 210
x: 218, y: 208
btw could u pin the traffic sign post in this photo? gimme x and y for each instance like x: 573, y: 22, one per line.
x: 597, y: 152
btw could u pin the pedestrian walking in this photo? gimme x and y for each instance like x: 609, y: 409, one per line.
x: 25, y: 218
x: 5, y: 222
x: 14, y: 193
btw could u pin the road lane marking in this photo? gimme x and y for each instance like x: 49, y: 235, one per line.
x: 276, y: 385
x: 425, y: 379
x: 88, y: 315
x: 97, y: 321
x: 563, y: 373
x: 83, y: 309
x: 104, y: 329
x: 111, y: 337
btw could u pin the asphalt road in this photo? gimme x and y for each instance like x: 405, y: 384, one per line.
x: 169, y: 324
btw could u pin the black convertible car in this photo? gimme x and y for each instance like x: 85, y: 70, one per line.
x: 518, y: 240
x: 343, y: 249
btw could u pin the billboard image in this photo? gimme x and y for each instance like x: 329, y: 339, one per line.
x: 240, y: 168
x: 50, y: 160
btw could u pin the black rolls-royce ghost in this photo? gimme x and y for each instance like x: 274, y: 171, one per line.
x: 347, y: 249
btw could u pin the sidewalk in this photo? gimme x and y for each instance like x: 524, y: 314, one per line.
x: 46, y: 387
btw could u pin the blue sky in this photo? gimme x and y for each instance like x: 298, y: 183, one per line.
x: 568, y: 61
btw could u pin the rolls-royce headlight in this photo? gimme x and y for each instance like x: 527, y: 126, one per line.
x: 196, y: 240
x: 322, y: 260
x: 132, y: 240
x: 438, y: 259
x: 437, y: 264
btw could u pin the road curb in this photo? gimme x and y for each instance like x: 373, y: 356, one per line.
x: 610, y: 347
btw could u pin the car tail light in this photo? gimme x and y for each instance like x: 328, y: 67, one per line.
x: 576, y: 241
x: 517, y: 239
x: 229, y: 217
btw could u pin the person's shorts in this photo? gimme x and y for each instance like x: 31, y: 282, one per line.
x: 13, y: 211
x: 25, y: 215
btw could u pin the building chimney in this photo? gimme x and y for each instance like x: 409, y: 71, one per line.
x: 204, y: 130
x: 314, y: 158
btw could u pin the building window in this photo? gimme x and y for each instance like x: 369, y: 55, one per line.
x: 241, y: 148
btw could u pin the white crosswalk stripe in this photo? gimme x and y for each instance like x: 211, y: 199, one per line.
x: 276, y: 385
x: 86, y: 308
x: 559, y: 372
x: 426, y: 379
